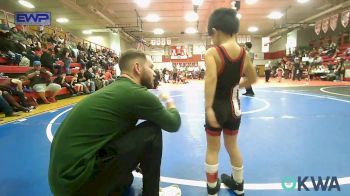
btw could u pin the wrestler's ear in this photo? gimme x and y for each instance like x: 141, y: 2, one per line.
x: 214, y: 31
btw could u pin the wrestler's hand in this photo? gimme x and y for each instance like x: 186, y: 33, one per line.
x: 211, y: 118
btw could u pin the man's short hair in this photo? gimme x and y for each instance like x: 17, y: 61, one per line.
x: 127, y: 56
x: 248, y: 45
x: 225, y: 20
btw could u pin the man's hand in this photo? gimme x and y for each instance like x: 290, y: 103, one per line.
x: 168, y: 101
x: 211, y: 118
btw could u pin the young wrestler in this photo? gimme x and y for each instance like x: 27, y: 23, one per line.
x: 225, y: 65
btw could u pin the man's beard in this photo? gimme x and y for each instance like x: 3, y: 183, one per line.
x: 147, y: 84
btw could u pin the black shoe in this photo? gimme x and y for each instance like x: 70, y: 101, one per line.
x: 245, y: 93
x: 138, y: 169
x: 238, y: 188
x: 213, y: 191
x: 249, y: 94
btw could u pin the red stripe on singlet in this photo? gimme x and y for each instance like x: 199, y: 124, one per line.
x: 222, y: 61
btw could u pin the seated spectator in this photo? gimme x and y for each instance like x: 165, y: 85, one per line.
x: 339, y: 69
x: 83, y: 81
x: 74, y: 83
x: 347, y: 52
x: 61, y: 80
x: 40, y: 81
x: 347, y: 63
x: 13, y: 87
x: 6, y: 108
x: 108, y: 76
x: 48, y: 61
x: 90, y: 79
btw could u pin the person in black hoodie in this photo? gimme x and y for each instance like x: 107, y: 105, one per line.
x: 48, y: 61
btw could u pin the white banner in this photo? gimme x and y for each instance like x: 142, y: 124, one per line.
x: 325, y: 25
x: 163, y: 41
x: 168, y: 41
x: 318, y: 26
x: 265, y: 47
x: 333, y: 22
x: 345, y: 18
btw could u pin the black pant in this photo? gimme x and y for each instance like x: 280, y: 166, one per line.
x: 5, y: 107
x: 118, y: 158
x: 267, y: 75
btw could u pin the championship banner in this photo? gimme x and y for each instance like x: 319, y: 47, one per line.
x: 239, y: 39
x: 333, y: 22
x: 325, y: 24
x: 168, y: 41
x: 265, y: 41
x: 163, y: 42
x: 249, y: 39
x: 153, y: 42
x: 318, y: 27
x: 345, y: 18
x: 244, y: 39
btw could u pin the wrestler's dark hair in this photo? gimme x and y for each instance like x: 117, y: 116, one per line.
x: 127, y: 56
x: 248, y: 45
x: 225, y: 20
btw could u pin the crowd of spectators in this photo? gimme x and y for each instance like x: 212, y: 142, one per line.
x: 51, y: 56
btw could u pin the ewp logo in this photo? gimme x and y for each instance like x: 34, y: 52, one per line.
x: 289, y: 183
x: 33, y: 18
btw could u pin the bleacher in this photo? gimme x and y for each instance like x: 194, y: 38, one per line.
x: 14, y: 69
x: 330, y: 60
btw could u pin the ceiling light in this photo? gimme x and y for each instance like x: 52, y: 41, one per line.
x: 253, y: 29
x: 303, y: 1
x: 275, y: 15
x: 26, y: 4
x: 239, y: 16
x: 191, y: 30
x: 87, y: 32
x: 158, y: 31
x: 197, y: 2
x: 62, y: 20
x: 152, y: 18
x: 191, y: 16
x: 250, y: 1
x: 143, y: 3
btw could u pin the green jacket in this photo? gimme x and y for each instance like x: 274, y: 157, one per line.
x: 93, y: 122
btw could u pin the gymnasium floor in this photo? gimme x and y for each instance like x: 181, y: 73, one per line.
x: 299, y: 130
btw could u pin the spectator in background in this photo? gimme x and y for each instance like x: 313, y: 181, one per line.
x: 67, y: 61
x: 83, y: 80
x: 279, y: 73
x: 296, y: 69
x: 90, y: 77
x: 48, y: 61
x: 61, y: 80
x: 340, y: 69
x: 248, y: 46
x: 6, y: 108
x: 40, y: 81
x: 14, y: 87
x: 108, y: 76
x: 74, y: 83
x: 268, y: 68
